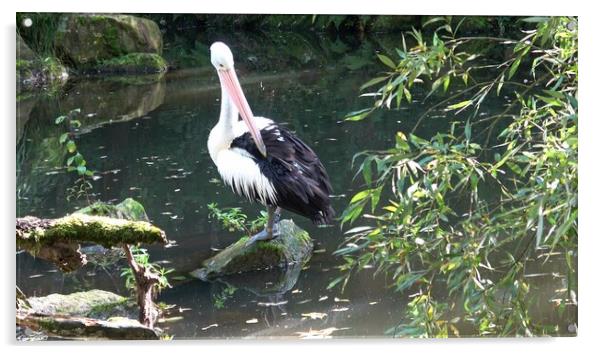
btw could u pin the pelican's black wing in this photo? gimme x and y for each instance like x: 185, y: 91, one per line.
x: 301, y: 182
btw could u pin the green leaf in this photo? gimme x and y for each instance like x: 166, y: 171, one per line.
x: 373, y: 82
x: 387, y: 61
x: 535, y: 19
x: 460, y: 104
x: 367, y: 171
x: 333, y: 283
x: 81, y: 170
x: 71, y: 147
x: 446, y: 81
x: 407, y: 280
x: 63, y: 138
x: 376, y: 197
x: 59, y: 120
x: 408, y: 95
x: 513, y: 68
x: 433, y: 20
x: 360, y: 196
x: 358, y: 115
x: 500, y: 84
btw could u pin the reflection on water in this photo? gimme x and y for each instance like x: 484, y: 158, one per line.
x: 154, y: 150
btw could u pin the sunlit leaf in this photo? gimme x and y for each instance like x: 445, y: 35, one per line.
x: 387, y: 61
x: 459, y: 105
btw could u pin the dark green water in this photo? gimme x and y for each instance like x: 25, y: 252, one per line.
x: 147, y: 140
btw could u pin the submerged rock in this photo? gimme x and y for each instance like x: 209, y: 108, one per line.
x: 292, y: 246
x: 87, y: 39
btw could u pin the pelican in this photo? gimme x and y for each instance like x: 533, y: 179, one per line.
x: 262, y: 160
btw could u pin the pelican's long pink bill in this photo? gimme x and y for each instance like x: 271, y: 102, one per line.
x: 229, y: 79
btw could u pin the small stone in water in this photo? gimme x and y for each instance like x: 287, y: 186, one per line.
x: 252, y: 320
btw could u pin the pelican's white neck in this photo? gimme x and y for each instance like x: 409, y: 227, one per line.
x: 228, y: 115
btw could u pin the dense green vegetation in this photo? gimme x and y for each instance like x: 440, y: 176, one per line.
x: 515, y: 182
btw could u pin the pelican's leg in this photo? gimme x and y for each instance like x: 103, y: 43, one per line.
x: 271, y: 228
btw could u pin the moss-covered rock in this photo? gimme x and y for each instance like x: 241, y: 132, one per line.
x: 128, y: 209
x: 36, y: 72
x: 292, y: 246
x: 87, y: 39
x: 93, y: 303
x: 133, y: 63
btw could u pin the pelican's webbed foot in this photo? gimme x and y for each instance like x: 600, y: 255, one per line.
x: 271, y: 230
x: 264, y: 235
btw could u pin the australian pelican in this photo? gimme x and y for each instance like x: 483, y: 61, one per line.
x: 262, y: 160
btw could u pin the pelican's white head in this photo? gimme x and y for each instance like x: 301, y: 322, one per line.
x: 223, y: 61
x: 221, y: 56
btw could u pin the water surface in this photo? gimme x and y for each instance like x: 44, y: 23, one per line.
x: 147, y: 140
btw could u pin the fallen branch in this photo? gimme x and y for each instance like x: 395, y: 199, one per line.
x: 58, y: 240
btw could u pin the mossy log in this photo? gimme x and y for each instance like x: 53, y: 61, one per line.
x: 292, y: 246
x: 58, y: 240
x: 80, y: 228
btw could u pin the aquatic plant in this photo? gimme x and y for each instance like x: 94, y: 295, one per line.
x: 472, y: 211
x: 233, y: 219
x: 75, y: 161
x: 142, y: 257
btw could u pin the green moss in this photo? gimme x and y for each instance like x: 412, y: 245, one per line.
x: 48, y: 73
x: 86, y: 40
x: 24, y: 64
x: 134, y: 63
x: 293, y: 245
x: 78, y: 304
x: 78, y: 228
x: 128, y: 209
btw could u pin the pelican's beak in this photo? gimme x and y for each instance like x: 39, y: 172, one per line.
x: 230, y: 81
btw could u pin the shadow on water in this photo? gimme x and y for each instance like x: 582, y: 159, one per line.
x: 146, y: 138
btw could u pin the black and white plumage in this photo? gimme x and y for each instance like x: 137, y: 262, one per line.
x: 300, y: 180
x: 262, y: 160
